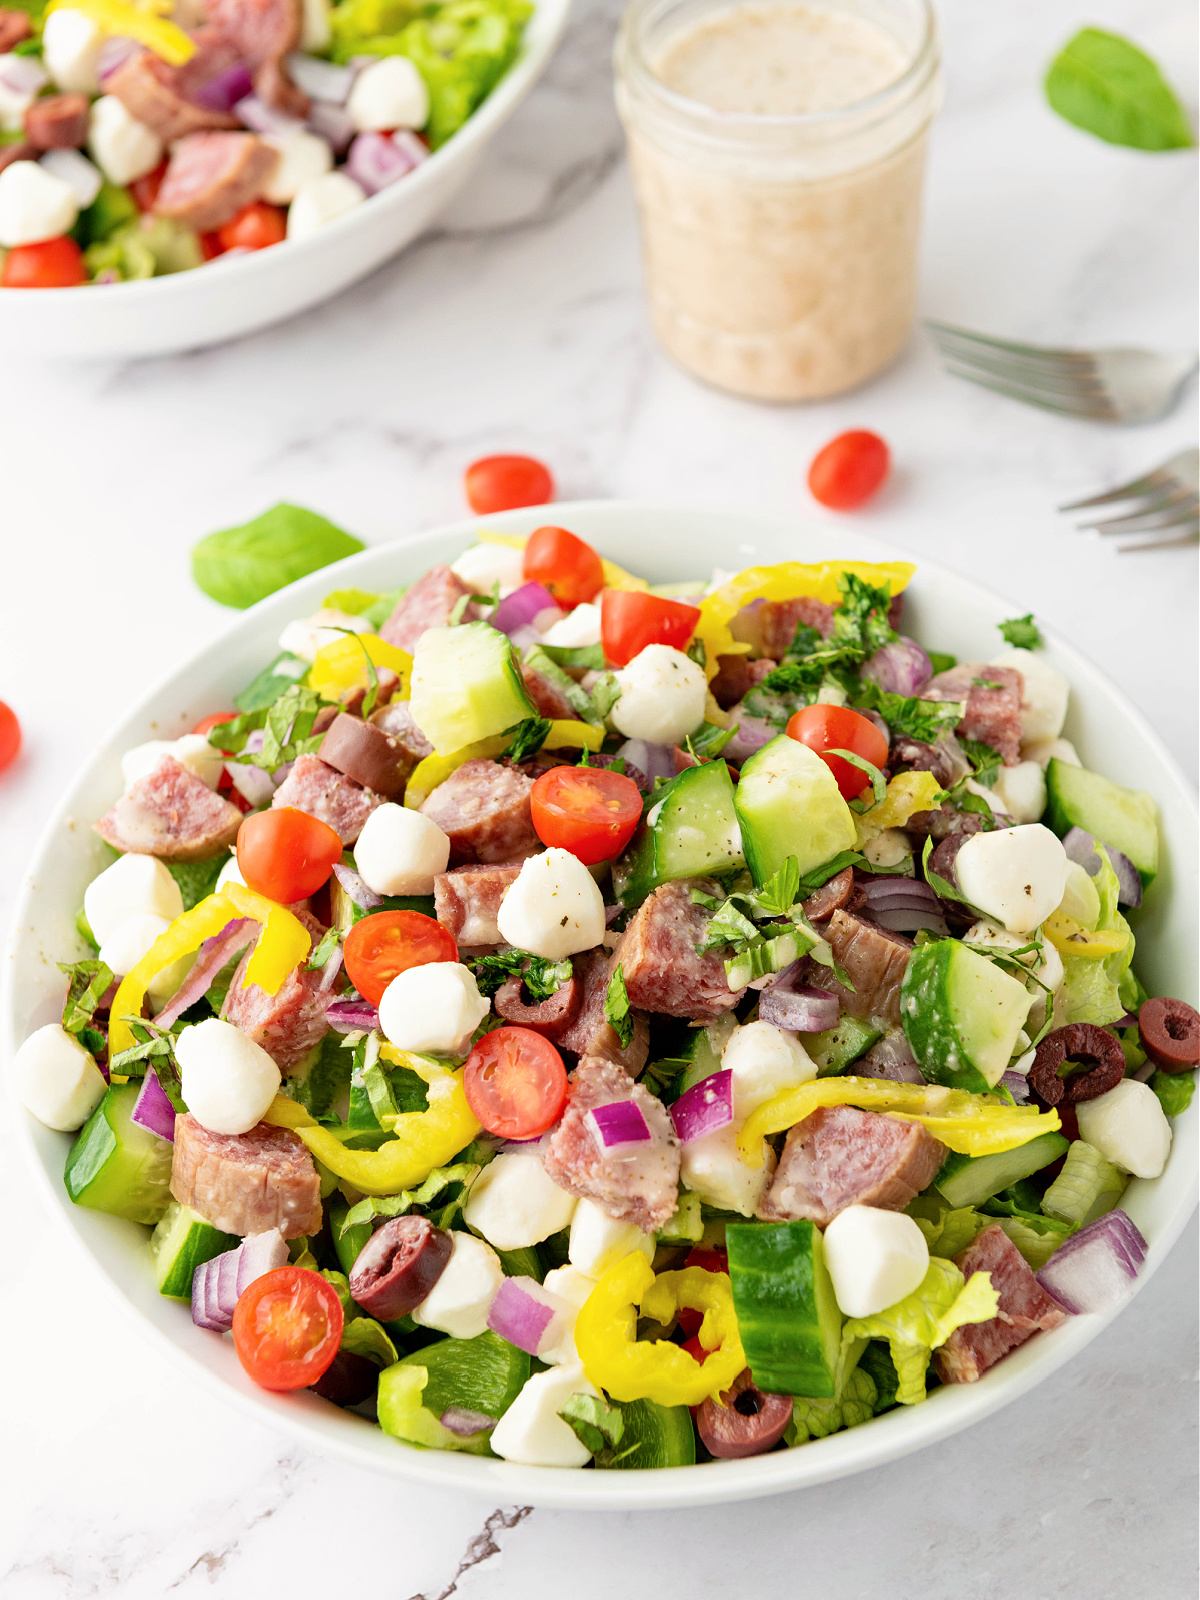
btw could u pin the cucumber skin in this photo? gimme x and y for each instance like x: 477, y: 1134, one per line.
x: 851, y: 1038
x: 928, y: 1025
x: 116, y: 1166
x: 759, y: 814
x: 644, y: 867
x: 661, y: 1436
x: 200, y: 1243
x: 967, y: 1181
x: 786, y: 1310
x: 1074, y: 795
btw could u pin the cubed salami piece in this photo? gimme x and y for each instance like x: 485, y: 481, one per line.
x: 246, y: 1183
x: 428, y: 604
x: 57, y: 122
x: 875, y: 960
x: 769, y: 626
x: 396, y: 720
x: 589, y: 1032
x: 14, y: 26
x: 173, y: 814
x: 548, y: 698
x: 662, y: 971
x: 364, y: 753
x: 638, y: 1183
x: 484, y: 810
x: 211, y: 176
x: 1025, y: 1309
x: 993, y: 701
x: 160, y: 95
x: 841, y: 1156
x: 265, y: 31
x: 328, y: 794
x: 467, y: 900
x: 290, y: 1022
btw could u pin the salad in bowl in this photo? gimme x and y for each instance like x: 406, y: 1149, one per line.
x: 595, y: 1025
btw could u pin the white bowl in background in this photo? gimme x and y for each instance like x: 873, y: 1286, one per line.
x: 230, y: 297
x: 662, y: 544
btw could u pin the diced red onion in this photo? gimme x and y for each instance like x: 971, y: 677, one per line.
x: 752, y: 733
x: 333, y: 124
x: 226, y: 90
x: 547, y: 617
x: 704, y: 1108
x: 73, y: 167
x: 611, y: 913
x: 255, y: 740
x: 259, y: 117
x: 518, y: 1317
x: 619, y: 1123
x: 800, y: 1009
x: 112, y: 53
x: 320, y: 80
x: 900, y: 667
x: 217, y: 1284
x: 1081, y: 847
x: 212, y: 955
x: 903, y: 905
x: 1146, y: 1071
x: 152, y: 1110
x: 890, y: 1058
x: 655, y: 760
x: 465, y: 1423
x: 518, y: 609
x: 280, y: 774
x: 376, y: 160
x: 204, y: 1310
x: 1017, y: 1085
x: 22, y: 75
x: 412, y: 144
x: 355, y: 886
x: 1095, y: 1270
x: 251, y: 782
x: 351, y: 1016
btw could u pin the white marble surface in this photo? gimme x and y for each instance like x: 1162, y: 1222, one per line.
x: 520, y: 325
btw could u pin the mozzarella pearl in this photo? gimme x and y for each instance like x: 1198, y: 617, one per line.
x: 1016, y: 875
x: 1129, y: 1127
x: 302, y: 157
x: 486, y: 564
x: 577, y: 629
x: 531, y: 1430
x: 122, y: 147
x: 553, y: 908
x: 14, y: 102
x: 388, y: 94
x: 436, y: 1008
x: 571, y: 1288
x: 321, y: 201
x: 597, y: 1240
x: 888, y: 849
x: 192, y: 751
x: 34, y: 204
x: 459, y: 1302
x: 57, y: 1079
x: 228, y: 1081
x: 134, y: 883
x: 400, y: 851
x: 513, y: 1203
x: 1021, y: 790
x: 1043, y: 696
x: 71, y: 46
x: 874, y: 1258
x: 712, y: 1167
x: 1043, y: 751
x: 133, y: 938
x: 315, y: 30
x: 663, y: 696
x: 764, y: 1059
x: 306, y: 635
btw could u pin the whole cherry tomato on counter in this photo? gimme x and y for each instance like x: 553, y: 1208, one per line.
x: 504, y: 483
x: 50, y: 264
x: 823, y: 728
x: 629, y: 621
x: 10, y: 736
x: 564, y: 564
x: 589, y: 811
x: 515, y: 1083
x: 380, y: 946
x: 286, y: 854
x: 849, y: 469
x: 287, y: 1326
x: 254, y: 227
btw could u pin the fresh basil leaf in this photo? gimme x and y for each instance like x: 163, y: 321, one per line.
x: 286, y: 726
x: 708, y: 740
x: 283, y: 674
x: 527, y: 737
x: 88, y: 983
x: 545, y: 978
x: 878, y: 781
x: 942, y: 887
x: 861, y: 623
x: 818, y: 876
x: 323, y: 951
x: 697, y: 653
x: 240, y: 566
x: 598, y: 1426
x: 940, y: 661
x: 1105, y: 85
x: 616, y: 1008
x: 778, y: 895
x: 579, y: 657
x: 1021, y: 632
x: 983, y: 759
x: 196, y: 879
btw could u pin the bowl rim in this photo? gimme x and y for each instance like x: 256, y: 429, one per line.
x: 331, y: 1432
x: 542, y: 33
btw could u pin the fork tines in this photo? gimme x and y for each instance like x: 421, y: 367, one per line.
x: 1056, y: 380
x: 1166, y: 500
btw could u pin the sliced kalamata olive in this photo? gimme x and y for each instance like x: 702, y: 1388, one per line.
x: 548, y: 1016
x: 348, y: 1379
x: 363, y: 752
x: 398, y: 1266
x: 748, y: 1422
x: 1170, y: 1031
x: 831, y: 896
x: 1083, y: 1042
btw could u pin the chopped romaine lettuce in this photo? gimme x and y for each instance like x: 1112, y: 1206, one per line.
x: 1174, y: 1090
x: 1092, y: 989
x: 915, y: 1326
x: 817, y: 1419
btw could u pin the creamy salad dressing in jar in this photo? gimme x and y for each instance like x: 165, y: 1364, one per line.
x: 778, y: 151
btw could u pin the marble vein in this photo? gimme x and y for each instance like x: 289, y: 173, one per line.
x: 482, y: 1547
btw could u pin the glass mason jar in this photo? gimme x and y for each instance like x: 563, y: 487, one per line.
x: 780, y: 250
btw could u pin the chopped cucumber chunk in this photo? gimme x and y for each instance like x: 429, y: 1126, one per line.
x: 969, y: 1180
x: 836, y: 1048
x: 1127, y: 819
x: 180, y: 1243
x: 691, y: 831
x: 466, y: 686
x: 117, y: 1166
x: 786, y: 1309
x: 789, y: 804
x: 961, y: 1015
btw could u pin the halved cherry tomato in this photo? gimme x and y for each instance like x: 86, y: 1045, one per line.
x: 145, y: 189
x: 210, y: 246
x: 515, y: 1083
x: 389, y: 942
x: 213, y: 720
x: 10, y: 736
x: 707, y: 1260
x: 254, y: 227
x: 823, y: 728
x: 589, y: 811
x: 503, y: 483
x: 567, y: 566
x: 287, y: 1326
x: 50, y: 264
x: 286, y: 854
x: 629, y: 621
x: 849, y: 469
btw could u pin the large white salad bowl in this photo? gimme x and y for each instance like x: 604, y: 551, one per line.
x: 230, y: 297
x: 663, y: 544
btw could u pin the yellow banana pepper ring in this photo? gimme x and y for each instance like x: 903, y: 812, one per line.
x: 907, y: 793
x: 282, y: 945
x: 969, y: 1124
x: 341, y: 666
x: 140, y: 22
x: 424, y: 1139
x: 629, y: 1368
x: 435, y: 769
x: 1071, y: 938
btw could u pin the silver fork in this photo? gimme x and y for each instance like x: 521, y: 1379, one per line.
x: 1098, y: 385
x: 1166, y: 500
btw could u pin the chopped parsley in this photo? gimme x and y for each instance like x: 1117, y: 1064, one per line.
x: 1021, y: 632
x: 617, y: 1011
x: 541, y: 977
